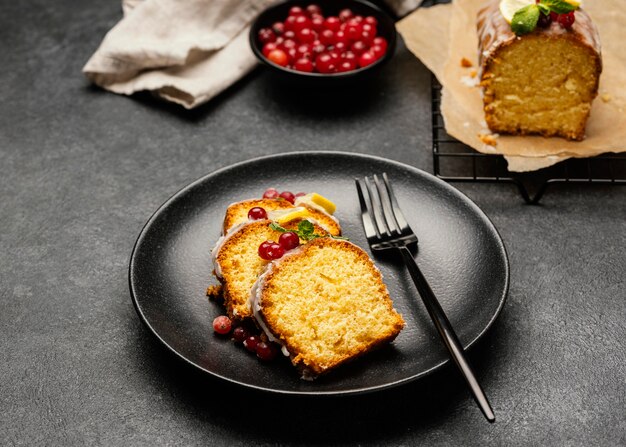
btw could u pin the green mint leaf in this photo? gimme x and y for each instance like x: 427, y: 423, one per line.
x: 558, y: 6
x: 525, y: 19
x: 305, y: 230
x: 545, y: 10
x: 276, y: 227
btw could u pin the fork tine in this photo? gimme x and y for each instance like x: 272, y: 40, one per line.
x: 397, y: 212
x: 388, y: 213
x: 366, y: 215
x: 379, y: 220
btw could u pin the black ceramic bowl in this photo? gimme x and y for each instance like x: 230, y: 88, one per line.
x: 278, y: 13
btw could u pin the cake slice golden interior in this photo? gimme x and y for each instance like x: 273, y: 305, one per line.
x: 238, y: 264
x: 542, y: 82
x: 237, y: 213
x: 541, y: 85
x: 326, y: 304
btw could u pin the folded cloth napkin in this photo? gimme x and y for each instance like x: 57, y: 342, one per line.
x: 185, y: 52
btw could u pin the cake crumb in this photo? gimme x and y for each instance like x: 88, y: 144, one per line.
x: 473, y: 73
x: 466, y: 63
x: 489, y: 139
x: 605, y: 97
x: 214, y: 291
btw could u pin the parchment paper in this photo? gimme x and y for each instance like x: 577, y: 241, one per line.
x: 442, y: 35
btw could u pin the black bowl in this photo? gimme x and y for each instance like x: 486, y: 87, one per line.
x: 278, y: 13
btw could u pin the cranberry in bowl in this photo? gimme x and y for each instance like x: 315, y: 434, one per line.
x: 323, y: 39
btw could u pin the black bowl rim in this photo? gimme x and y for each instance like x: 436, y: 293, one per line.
x: 379, y: 12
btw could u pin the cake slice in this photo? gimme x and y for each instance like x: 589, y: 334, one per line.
x: 542, y: 82
x: 237, y: 263
x: 281, y: 211
x: 326, y: 304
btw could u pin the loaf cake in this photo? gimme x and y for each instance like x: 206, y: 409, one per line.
x: 280, y: 210
x: 542, y: 82
x: 326, y: 304
x: 237, y: 263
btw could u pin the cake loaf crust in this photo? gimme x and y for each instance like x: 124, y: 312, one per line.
x: 565, y: 114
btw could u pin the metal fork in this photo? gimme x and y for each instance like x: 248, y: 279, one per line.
x: 386, y: 228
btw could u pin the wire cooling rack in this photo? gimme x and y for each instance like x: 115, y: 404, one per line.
x: 453, y: 161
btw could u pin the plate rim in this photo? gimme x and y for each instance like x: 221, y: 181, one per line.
x: 361, y: 390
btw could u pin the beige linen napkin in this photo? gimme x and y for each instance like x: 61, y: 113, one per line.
x: 186, y: 52
x: 462, y: 105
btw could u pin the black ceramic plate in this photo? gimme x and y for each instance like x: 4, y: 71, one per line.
x: 460, y: 252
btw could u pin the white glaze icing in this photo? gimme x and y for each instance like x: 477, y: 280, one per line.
x: 220, y: 243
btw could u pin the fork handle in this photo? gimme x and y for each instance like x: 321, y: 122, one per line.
x: 446, y: 332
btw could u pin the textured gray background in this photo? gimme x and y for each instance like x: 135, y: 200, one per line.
x: 81, y: 171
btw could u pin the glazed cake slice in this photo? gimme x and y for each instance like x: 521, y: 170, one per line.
x: 279, y: 210
x: 237, y: 263
x: 539, y: 83
x: 326, y: 304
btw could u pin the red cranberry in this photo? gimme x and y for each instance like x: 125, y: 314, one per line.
x: 332, y: 23
x: 287, y: 44
x: 266, y: 35
x: 296, y: 11
x: 263, y: 249
x: 251, y: 342
x: 304, y: 51
x: 268, y: 48
x: 371, y: 20
x: 266, y: 351
x: 324, y: 63
x: 222, y: 324
x: 353, y: 29
x: 567, y: 20
x: 290, y: 23
x: 278, y: 28
x: 349, y: 56
x: 270, y: 193
x: 288, y: 196
x: 317, y: 23
x: 341, y: 47
x: 306, y: 35
x: 240, y: 333
x: 279, y: 57
x: 289, y: 35
x: 301, y: 23
x: 378, y: 51
x: 366, y: 59
x: 270, y: 250
x: 345, y: 15
x: 340, y: 36
x: 554, y: 16
x: 313, y: 9
x: 327, y: 37
x: 304, y: 64
x: 336, y: 56
x: 346, y: 65
x: 359, y: 47
x: 257, y: 213
x: 289, y: 240
x: 293, y: 55
x: 380, y: 41
x: 318, y: 48
x: 368, y: 27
